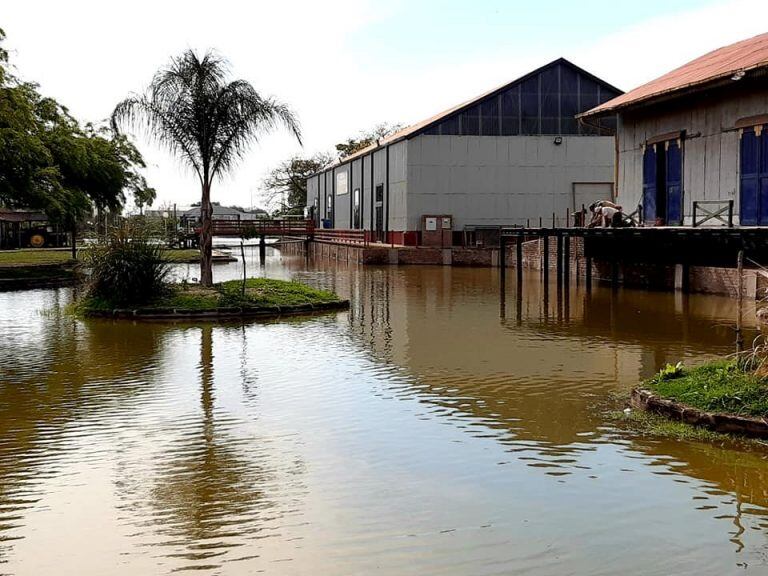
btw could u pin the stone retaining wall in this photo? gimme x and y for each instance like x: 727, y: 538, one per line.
x: 233, y: 313
x: 725, y: 423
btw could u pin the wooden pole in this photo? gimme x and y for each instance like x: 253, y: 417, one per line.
x: 74, y: 241
x: 559, y: 257
x: 519, y: 263
x: 588, y: 272
x: 740, y: 294
x: 242, y: 255
x: 262, y: 250
x: 545, y: 264
x: 502, y: 257
x: 567, y: 258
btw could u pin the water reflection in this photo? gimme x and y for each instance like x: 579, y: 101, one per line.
x: 431, y: 429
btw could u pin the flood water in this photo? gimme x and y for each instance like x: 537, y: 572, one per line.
x: 427, y: 430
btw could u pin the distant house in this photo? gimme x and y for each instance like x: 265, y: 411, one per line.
x: 221, y: 213
x: 28, y: 228
x: 512, y: 154
x: 695, y: 138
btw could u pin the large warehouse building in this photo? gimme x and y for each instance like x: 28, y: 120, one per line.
x: 513, y: 154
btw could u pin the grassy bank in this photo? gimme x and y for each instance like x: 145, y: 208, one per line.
x: 29, y: 257
x: 721, y: 386
x: 34, y: 257
x: 260, y: 293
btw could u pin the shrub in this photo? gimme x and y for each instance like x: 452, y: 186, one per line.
x: 127, y: 268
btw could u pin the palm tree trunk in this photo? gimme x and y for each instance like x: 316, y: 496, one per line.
x: 206, y: 237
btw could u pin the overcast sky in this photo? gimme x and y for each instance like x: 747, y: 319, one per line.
x: 346, y: 65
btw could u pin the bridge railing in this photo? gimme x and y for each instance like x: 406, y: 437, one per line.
x: 340, y: 236
x: 262, y: 228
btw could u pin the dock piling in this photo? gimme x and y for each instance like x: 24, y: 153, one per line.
x: 262, y: 250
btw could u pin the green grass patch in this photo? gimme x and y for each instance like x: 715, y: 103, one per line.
x: 722, y: 386
x: 34, y: 257
x: 262, y: 292
x: 259, y: 293
x: 182, y: 255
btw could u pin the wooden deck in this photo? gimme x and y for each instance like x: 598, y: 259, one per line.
x: 660, y: 245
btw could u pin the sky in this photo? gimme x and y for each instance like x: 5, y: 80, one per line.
x: 347, y: 65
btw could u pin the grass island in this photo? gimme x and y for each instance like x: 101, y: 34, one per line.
x: 261, y: 297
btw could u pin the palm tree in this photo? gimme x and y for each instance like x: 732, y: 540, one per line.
x: 192, y: 110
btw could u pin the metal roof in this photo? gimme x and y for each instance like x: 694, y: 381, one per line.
x: 22, y: 216
x: 721, y: 64
x: 418, y: 127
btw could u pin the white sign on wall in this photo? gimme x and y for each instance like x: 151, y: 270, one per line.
x: 342, y: 186
x: 431, y: 224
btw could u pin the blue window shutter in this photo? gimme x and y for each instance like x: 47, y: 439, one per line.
x: 749, y: 185
x: 762, y: 177
x: 674, y: 182
x: 649, y: 183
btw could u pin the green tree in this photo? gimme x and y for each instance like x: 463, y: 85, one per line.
x: 287, y: 184
x: 365, y: 139
x: 209, y: 122
x: 49, y: 162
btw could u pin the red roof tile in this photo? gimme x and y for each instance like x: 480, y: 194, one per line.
x: 721, y: 63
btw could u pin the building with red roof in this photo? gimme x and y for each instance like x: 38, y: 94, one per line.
x: 692, y: 142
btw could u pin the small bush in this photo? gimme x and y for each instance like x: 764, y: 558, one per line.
x: 127, y: 268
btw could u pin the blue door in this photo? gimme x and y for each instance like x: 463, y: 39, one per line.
x: 649, y: 184
x: 674, y: 182
x: 748, y: 200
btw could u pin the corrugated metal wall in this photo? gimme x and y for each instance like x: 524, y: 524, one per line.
x: 483, y: 180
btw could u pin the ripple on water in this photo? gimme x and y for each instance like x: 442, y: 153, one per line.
x: 418, y: 433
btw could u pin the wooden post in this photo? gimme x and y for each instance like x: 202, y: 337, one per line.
x: 614, y: 273
x: 553, y: 220
x: 262, y: 250
x: 588, y: 272
x: 242, y: 255
x: 502, y: 258
x: 740, y: 294
x: 559, y: 256
x: 567, y: 258
x: 545, y: 264
x: 519, y: 263
x: 74, y: 241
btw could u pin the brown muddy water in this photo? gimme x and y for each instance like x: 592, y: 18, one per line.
x: 425, y: 431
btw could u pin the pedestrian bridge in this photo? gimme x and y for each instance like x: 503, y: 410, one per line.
x: 256, y: 228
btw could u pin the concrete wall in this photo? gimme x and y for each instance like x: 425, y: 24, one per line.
x: 490, y: 180
x: 710, y: 148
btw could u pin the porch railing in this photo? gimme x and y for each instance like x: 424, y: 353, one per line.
x: 720, y: 211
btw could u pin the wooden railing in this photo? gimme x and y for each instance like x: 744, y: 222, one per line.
x: 724, y: 214
x: 252, y: 228
x: 341, y: 236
